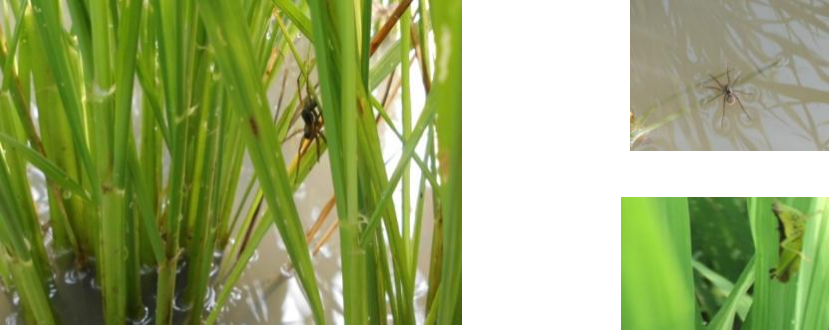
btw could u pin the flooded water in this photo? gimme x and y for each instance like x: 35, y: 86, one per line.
x: 779, y: 49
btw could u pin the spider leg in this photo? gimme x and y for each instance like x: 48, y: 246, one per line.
x: 317, y: 141
x: 298, y: 159
x: 323, y: 137
x: 728, y: 74
x: 299, y: 87
x: 722, y: 119
x: 292, y: 134
x: 717, y: 81
x: 714, y: 98
x: 742, y: 107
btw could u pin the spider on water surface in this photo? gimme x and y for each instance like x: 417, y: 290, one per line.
x: 728, y: 93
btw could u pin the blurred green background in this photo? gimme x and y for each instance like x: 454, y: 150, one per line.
x: 690, y: 263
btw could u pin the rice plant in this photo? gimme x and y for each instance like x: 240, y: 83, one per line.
x: 725, y: 263
x: 142, y: 115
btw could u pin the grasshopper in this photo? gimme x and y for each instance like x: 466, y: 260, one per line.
x: 791, y: 223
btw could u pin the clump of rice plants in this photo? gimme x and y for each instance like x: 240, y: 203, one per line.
x: 143, y: 115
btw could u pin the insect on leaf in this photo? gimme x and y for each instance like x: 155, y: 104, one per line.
x: 790, y: 224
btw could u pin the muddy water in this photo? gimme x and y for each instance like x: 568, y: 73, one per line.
x: 780, y: 50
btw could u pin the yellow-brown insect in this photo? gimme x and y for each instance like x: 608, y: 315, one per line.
x: 791, y: 223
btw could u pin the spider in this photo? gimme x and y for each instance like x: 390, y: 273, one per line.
x: 728, y: 93
x: 312, y: 131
